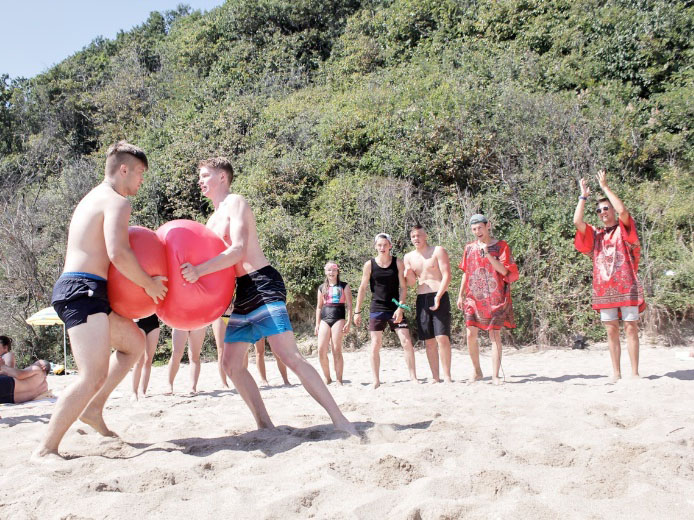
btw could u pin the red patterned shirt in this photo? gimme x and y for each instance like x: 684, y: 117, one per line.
x: 615, y: 251
x: 487, y: 292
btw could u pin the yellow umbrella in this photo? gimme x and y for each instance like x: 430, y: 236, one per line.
x: 48, y: 316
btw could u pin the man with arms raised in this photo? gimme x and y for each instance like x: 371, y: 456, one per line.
x: 429, y: 268
x: 98, y: 236
x: 615, y: 250
x: 259, y: 306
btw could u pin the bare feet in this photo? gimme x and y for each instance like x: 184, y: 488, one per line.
x: 328, y: 381
x: 170, y: 390
x: 375, y: 385
x: 448, y: 379
x: 339, y: 382
x: 476, y: 376
x: 96, y: 421
x: 347, y: 427
x: 496, y: 380
x: 134, y: 396
x: 435, y: 380
x: 263, y: 382
x: 43, y: 455
x: 615, y: 378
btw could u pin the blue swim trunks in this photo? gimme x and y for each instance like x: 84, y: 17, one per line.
x: 259, y: 307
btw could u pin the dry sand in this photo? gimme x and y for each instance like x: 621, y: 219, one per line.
x: 555, y: 441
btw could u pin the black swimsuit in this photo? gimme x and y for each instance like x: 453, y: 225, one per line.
x: 6, y: 389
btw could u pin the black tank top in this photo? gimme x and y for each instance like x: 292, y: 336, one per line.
x: 385, y: 285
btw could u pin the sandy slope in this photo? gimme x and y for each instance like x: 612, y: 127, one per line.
x: 555, y: 441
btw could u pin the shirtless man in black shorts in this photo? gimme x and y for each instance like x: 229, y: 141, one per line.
x: 98, y: 236
x: 429, y: 268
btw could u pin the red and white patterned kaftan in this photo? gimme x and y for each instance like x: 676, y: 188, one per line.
x: 488, y: 293
x: 615, y: 251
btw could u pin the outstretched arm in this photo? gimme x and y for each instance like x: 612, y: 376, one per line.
x: 581, y: 206
x: 616, y: 202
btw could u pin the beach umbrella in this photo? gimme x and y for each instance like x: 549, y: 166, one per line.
x: 48, y: 316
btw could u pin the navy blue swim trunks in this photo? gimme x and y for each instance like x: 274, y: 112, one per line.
x: 76, y: 296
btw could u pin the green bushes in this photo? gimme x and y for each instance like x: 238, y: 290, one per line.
x: 347, y: 118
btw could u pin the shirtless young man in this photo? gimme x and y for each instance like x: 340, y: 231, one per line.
x: 98, y: 236
x: 259, y: 306
x: 429, y: 268
x: 385, y: 276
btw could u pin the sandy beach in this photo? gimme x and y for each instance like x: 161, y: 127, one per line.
x: 555, y: 441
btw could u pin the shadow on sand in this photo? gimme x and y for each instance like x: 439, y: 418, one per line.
x: 269, y: 442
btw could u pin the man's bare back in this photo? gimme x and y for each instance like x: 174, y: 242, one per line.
x: 234, y: 208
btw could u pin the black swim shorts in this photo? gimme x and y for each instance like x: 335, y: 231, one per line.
x: 433, y: 323
x: 6, y: 390
x: 148, y: 324
x: 76, y: 296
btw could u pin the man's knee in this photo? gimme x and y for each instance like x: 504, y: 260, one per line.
x: 631, y: 327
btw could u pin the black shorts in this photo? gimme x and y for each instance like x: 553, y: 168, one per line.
x: 331, y: 314
x: 148, y: 324
x: 6, y: 389
x: 258, y: 288
x: 76, y: 296
x: 433, y: 323
x: 379, y: 320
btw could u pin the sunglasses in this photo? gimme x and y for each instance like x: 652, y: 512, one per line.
x: 600, y: 210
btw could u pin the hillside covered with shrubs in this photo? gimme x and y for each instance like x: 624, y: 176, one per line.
x: 345, y: 118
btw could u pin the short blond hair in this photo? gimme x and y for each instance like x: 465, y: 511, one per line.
x: 219, y: 163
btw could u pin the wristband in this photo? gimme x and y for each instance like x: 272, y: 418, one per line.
x: 401, y: 305
x: 358, y: 312
x: 582, y: 198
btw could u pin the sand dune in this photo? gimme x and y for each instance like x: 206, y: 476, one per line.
x: 555, y: 441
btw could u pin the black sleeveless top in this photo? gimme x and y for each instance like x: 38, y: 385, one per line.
x: 385, y: 285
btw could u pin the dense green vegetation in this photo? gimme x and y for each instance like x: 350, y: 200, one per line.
x: 346, y: 118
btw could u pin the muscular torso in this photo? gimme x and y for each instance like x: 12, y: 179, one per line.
x: 220, y: 222
x: 426, y: 267
x: 86, y: 246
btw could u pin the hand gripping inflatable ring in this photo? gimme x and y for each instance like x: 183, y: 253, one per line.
x: 193, y: 305
x: 126, y: 298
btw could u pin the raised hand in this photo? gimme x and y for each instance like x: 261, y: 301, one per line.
x: 602, y: 179
x: 585, y: 190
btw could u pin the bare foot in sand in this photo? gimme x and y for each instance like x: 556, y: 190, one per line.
x: 434, y: 381
x: 347, y: 427
x: 614, y: 379
x: 449, y: 380
x: 43, y: 456
x: 169, y: 391
x: 497, y: 381
x: 476, y: 376
x: 96, y: 421
x: 328, y: 381
x: 339, y: 382
x: 263, y: 382
x: 375, y: 385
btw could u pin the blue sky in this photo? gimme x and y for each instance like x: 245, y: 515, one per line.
x: 37, y: 34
